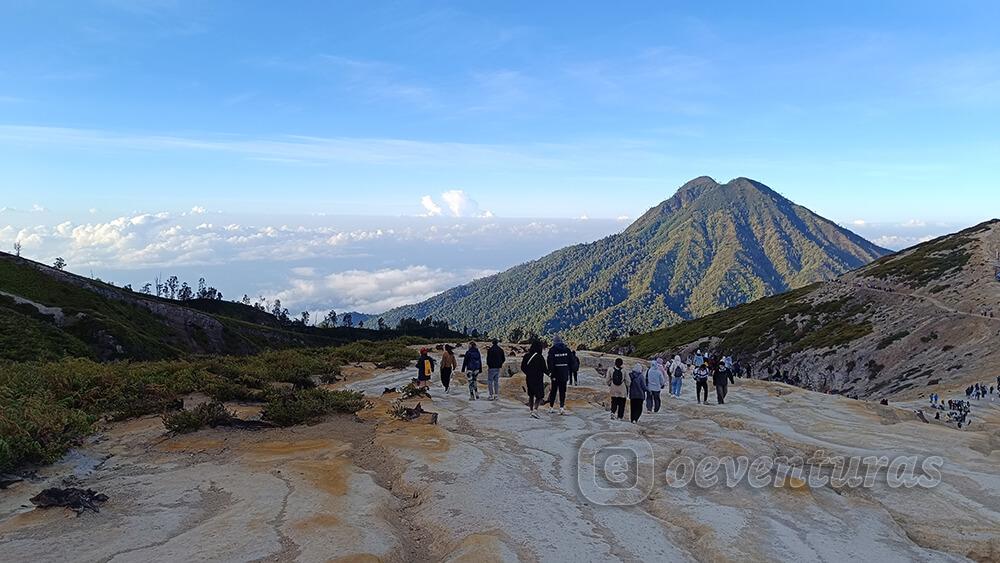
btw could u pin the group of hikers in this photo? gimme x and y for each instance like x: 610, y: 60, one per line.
x: 981, y: 390
x: 641, y: 386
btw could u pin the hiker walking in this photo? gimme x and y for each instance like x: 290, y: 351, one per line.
x: 636, y: 392
x: 699, y: 359
x: 574, y: 369
x: 534, y: 368
x: 495, y: 359
x: 618, y: 389
x: 721, y: 382
x: 701, y: 383
x: 425, y: 367
x: 448, y: 365
x: 560, y: 364
x: 727, y: 362
x: 472, y: 365
x: 656, y: 380
x: 677, y: 369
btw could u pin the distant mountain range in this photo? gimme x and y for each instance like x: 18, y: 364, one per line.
x: 924, y: 319
x: 709, y: 247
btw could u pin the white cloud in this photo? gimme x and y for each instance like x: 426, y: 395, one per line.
x: 459, y: 204
x: 859, y: 222
x: 433, y: 209
x: 375, y: 291
x: 198, y: 210
x: 35, y: 208
x: 899, y: 242
x: 622, y: 218
x: 912, y: 223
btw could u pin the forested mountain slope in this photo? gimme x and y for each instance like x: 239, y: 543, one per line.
x: 709, y: 247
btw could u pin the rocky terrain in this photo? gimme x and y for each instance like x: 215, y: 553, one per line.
x: 709, y: 247
x: 924, y: 320
x: 488, y: 483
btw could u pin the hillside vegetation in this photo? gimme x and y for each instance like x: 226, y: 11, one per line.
x: 47, y: 407
x: 48, y: 314
x: 923, y: 317
x: 709, y: 247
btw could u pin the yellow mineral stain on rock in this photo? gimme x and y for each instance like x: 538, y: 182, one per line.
x: 477, y: 548
x: 191, y: 443
x: 316, y: 523
x: 33, y: 519
x: 290, y: 447
x: 328, y: 475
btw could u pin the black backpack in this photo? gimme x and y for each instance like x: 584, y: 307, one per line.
x: 678, y: 372
x: 616, y: 377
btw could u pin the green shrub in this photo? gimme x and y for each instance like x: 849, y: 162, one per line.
x: 333, y: 376
x: 302, y: 406
x: 411, y: 391
x: 206, y: 414
x: 47, y: 407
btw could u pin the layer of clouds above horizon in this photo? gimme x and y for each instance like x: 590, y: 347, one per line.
x: 317, y: 262
x: 360, y: 155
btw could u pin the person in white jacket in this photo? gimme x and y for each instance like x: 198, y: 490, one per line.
x: 656, y: 380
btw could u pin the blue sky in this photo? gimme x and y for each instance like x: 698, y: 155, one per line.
x: 884, y: 116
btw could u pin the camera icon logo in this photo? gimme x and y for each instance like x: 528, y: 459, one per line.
x: 615, y: 469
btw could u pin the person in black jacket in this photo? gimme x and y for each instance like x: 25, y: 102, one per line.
x: 560, y: 364
x: 575, y: 369
x: 534, y: 368
x: 472, y: 365
x: 495, y: 359
x: 721, y: 381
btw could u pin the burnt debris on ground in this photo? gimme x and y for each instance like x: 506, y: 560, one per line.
x: 78, y: 500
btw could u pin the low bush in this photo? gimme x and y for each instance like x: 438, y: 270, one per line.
x: 47, y: 407
x: 206, y: 414
x: 302, y: 406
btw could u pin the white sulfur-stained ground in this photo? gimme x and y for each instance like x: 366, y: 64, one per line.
x: 490, y: 483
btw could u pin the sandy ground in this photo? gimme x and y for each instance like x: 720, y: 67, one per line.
x: 489, y: 483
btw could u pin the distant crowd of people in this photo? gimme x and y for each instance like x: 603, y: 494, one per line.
x: 959, y: 411
x: 641, y: 386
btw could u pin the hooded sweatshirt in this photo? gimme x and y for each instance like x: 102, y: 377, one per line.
x: 656, y: 377
x: 677, y: 363
x: 637, y: 383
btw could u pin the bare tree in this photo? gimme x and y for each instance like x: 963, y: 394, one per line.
x: 17, y: 248
x: 59, y: 264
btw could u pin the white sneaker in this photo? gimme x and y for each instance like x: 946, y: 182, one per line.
x: 562, y: 410
x: 612, y: 416
x: 534, y: 414
x: 552, y: 410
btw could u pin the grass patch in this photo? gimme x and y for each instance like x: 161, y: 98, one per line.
x: 206, y: 414
x: 47, y: 407
x: 927, y: 262
x: 304, y: 406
